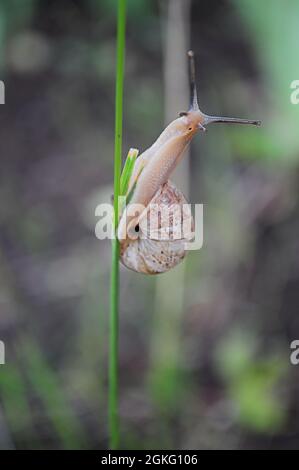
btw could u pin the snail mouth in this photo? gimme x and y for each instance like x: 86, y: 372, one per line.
x: 201, y: 127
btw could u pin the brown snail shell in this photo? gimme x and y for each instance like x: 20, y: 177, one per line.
x: 151, y: 252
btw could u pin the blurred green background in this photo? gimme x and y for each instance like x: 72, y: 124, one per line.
x: 204, y: 350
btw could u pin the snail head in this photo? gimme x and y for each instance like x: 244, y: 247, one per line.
x: 194, y: 118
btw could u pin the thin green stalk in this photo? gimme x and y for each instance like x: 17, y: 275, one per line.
x: 114, y: 289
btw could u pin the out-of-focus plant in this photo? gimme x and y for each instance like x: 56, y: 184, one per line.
x: 15, y: 401
x: 47, y: 387
x: 253, y: 383
x: 274, y: 35
x: 13, y: 15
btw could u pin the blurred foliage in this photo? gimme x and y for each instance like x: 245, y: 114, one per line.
x: 48, y: 389
x: 252, y: 382
x: 16, y: 14
x: 13, y: 15
x: 274, y: 36
x: 14, y: 402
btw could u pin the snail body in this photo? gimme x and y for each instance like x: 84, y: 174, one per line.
x: 158, y: 246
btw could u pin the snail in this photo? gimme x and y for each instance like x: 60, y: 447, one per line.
x: 158, y: 246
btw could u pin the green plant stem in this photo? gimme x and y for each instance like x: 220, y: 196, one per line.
x: 114, y: 287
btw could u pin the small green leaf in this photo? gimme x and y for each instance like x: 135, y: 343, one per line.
x: 127, y: 171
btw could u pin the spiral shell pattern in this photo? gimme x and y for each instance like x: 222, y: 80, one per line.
x: 162, y: 234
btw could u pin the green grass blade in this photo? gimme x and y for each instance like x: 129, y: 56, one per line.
x: 114, y: 287
x: 15, y: 403
x: 47, y: 386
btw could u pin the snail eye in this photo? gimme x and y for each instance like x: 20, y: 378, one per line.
x: 183, y: 113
